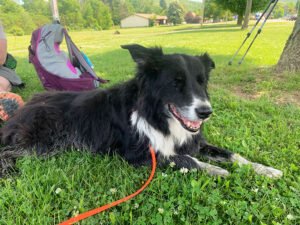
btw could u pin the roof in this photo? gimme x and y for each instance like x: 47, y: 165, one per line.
x: 150, y: 16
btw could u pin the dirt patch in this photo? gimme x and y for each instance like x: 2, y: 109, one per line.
x: 239, y: 92
x: 279, y: 97
x: 291, y: 98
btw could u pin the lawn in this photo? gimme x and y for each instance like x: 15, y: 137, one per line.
x: 256, y: 114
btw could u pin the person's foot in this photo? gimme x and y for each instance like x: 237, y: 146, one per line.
x: 9, y: 104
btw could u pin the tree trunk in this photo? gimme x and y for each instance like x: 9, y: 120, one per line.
x: 203, y: 13
x: 247, y: 14
x: 240, y: 20
x: 290, y: 57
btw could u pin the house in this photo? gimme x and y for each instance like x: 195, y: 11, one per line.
x: 143, y: 20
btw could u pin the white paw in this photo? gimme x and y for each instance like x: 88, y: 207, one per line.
x: 211, y: 169
x: 216, y: 171
x: 266, y: 171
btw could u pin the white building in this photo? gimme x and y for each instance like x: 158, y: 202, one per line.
x: 142, y: 20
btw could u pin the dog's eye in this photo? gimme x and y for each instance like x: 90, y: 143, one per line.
x: 200, y: 79
x: 179, y: 82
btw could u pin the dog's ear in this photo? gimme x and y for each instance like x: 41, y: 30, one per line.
x: 208, y: 62
x: 141, y: 54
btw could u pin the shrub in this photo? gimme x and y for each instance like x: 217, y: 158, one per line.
x: 17, y: 31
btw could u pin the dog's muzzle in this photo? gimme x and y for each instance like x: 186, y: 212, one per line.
x: 190, y: 125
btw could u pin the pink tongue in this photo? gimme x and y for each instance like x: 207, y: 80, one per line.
x: 192, y: 123
x: 188, y: 123
x: 196, y: 123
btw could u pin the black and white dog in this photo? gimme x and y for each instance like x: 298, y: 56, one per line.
x: 164, y: 105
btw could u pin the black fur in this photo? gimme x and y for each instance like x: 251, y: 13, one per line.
x: 100, y: 121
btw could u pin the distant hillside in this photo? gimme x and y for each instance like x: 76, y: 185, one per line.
x: 191, y: 5
x: 188, y: 4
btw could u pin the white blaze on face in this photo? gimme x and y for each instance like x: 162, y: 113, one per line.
x: 190, y: 111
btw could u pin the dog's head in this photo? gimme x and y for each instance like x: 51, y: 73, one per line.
x: 172, y: 86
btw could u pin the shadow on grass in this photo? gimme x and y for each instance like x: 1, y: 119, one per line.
x: 200, y: 30
x: 208, y: 26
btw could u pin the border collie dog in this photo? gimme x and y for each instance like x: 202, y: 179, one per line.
x: 164, y: 105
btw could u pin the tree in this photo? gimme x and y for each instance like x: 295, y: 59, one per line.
x: 163, y: 4
x: 191, y: 17
x: 70, y: 14
x: 37, y: 7
x: 175, y: 13
x: 290, y: 57
x: 239, y: 7
x: 290, y: 8
x: 215, y: 12
x: 13, y: 16
x: 145, y: 6
x: 120, y: 9
x: 278, y: 10
x: 247, y: 14
x: 96, y: 15
x: 38, y: 10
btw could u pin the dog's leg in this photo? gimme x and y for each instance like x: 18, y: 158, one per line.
x: 189, y: 162
x: 222, y: 155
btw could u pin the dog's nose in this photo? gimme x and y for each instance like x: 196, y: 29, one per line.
x: 203, y: 112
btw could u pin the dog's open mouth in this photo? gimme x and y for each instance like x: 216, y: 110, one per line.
x: 192, y: 126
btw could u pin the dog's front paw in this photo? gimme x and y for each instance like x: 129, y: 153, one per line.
x: 216, y: 171
x: 266, y: 171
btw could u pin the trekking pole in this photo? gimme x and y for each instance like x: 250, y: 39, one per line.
x: 258, y: 31
x: 250, y: 32
x: 54, y: 9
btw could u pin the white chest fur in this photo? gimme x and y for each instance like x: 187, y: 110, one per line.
x: 165, y: 144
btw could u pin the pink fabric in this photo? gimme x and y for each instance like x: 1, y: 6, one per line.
x: 71, y: 67
x: 56, y: 47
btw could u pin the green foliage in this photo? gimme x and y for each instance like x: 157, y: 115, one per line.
x: 120, y: 10
x: 175, y: 13
x: 189, y: 5
x: 290, y: 8
x: 39, y: 11
x: 17, y: 31
x: 40, y: 7
x: 96, y: 15
x: 70, y: 14
x: 214, y: 11
x: 163, y: 4
x: 239, y: 6
x: 278, y: 10
x: 15, y: 18
x: 145, y: 6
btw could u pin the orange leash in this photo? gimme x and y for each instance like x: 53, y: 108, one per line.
x: 112, y: 204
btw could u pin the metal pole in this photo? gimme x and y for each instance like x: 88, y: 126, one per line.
x: 54, y: 9
x: 258, y: 32
x: 250, y: 32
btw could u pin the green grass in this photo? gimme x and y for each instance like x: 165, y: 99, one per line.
x: 256, y: 114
